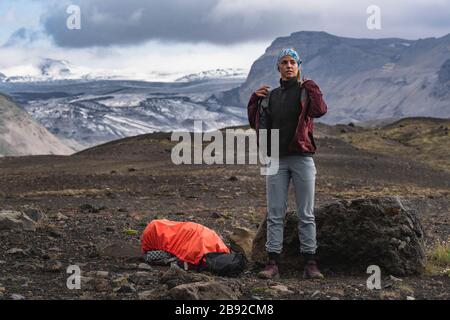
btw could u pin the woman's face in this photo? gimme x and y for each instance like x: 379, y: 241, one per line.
x: 288, y: 67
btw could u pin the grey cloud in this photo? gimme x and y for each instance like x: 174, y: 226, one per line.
x: 117, y: 22
x: 21, y: 37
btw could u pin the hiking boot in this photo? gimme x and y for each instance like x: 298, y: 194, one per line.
x: 270, y: 271
x: 312, y: 271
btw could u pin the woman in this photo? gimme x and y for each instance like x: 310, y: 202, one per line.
x: 292, y: 107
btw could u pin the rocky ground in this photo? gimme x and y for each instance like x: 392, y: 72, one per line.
x: 105, y: 196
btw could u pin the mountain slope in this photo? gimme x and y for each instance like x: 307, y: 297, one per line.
x: 366, y: 79
x: 423, y: 139
x: 84, y: 114
x: 20, y: 135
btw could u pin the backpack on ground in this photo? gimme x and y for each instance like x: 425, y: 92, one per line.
x: 225, y: 264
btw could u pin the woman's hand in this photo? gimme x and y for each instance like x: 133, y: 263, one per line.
x: 262, y: 91
x: 303, y: 81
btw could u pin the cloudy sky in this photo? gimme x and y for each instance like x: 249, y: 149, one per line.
x: 138, y: 37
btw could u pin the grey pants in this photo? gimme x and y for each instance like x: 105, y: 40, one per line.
x: 302, y: 170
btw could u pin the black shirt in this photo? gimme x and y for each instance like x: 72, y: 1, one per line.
x: 285, y: 108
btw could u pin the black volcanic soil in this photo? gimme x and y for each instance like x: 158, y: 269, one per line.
x: 133, y: 181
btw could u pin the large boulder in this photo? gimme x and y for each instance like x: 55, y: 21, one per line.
x: 353, y: 234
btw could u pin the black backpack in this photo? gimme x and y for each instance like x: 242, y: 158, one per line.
x: 225, y: 264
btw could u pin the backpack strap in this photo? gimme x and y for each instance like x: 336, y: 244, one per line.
x: 264, y: 104
x: 304, y: 97
x: 202, y: 264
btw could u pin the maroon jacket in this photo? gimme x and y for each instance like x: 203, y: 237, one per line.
x: 312, y: 102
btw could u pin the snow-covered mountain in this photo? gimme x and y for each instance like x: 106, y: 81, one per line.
x: 44, y: 69
x: 83, y: 114
x: 54, y: 70
x: 84, y: 108
x: 229, y: 73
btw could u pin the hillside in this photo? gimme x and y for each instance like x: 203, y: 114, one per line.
x: 365, y: 79
x: 21, y: 135
x: 426, y: 140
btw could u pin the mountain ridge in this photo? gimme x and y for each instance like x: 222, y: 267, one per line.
x: 365, y: 79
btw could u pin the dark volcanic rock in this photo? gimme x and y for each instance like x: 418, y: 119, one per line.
x: 211, y: 290
x: 355, y: 234
x: 16, y: 220
x: 121, y: 250
x: 176, y: 276
x: 34, y: 214
x: 89, y: 208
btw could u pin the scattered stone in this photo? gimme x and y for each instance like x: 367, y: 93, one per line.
x: 2, y: 261
x: 144, y: 266
x: 387, y: 285
x: 89, y: 208
x: 101, y: 285
x: 16, y: 220
x: 120, y: 281
x: 35, y: 214
x: 389, y: 295
x: 130, y: 266
x: 87, y: 283
x: 53, y: 265
x: 147, y: 295
x: 111, y: 195
x: 405, y: 289
x: 315, y: 293
x: 211, y: 290
x: 281, y: 289
x: 356, y: 233
x: 60, y: 216
x: 16, y: 296
x: 102, y: 274
x: 121, y: 250
x: 216, y: 215
x: 126, y: 288
x: 395, y: 279
x: 52, y: 231
x: 241, y: 240
x: 410, y: 298
x: 176, y: 276
x: 16, y: 252
x: 142, y: 278
x: 233, y: 178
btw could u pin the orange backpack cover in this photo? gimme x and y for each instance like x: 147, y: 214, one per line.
x: 188, y: 241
